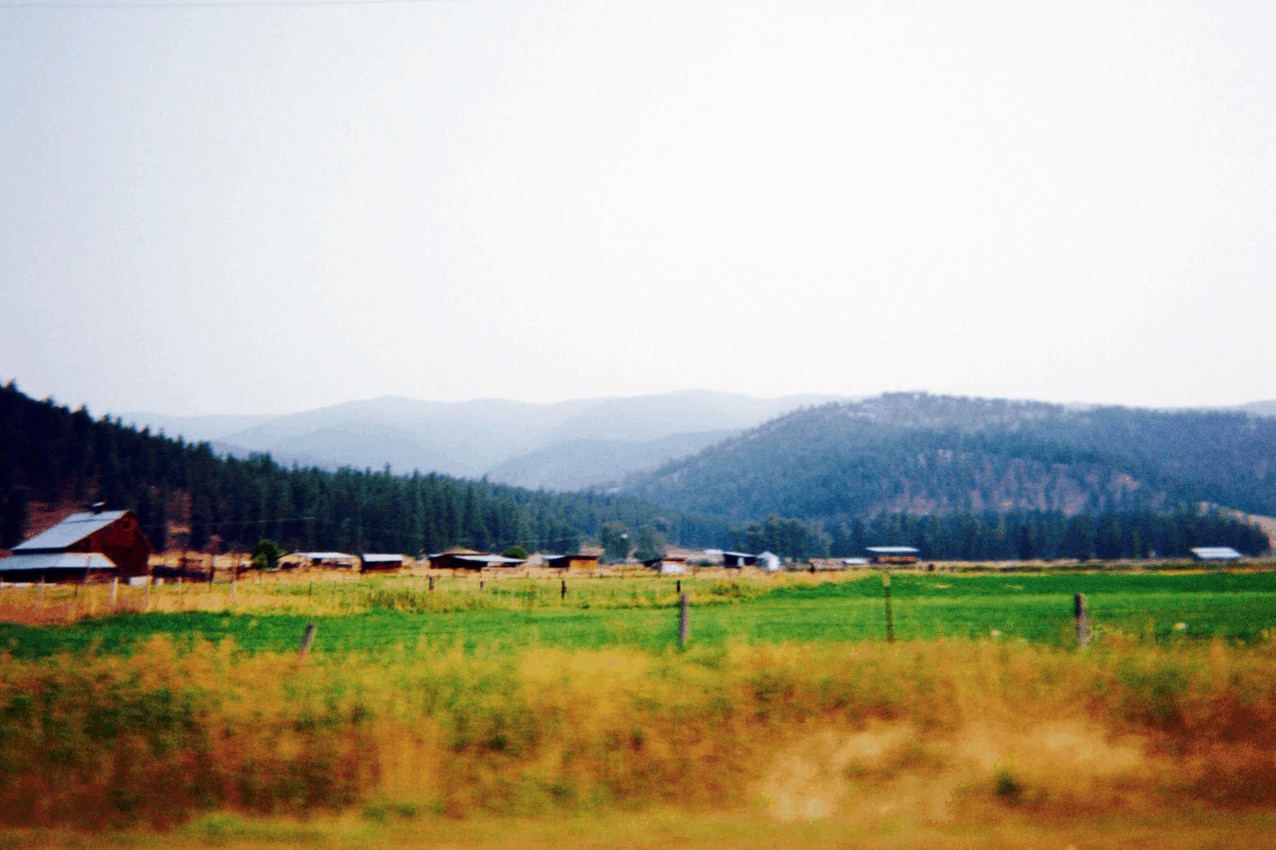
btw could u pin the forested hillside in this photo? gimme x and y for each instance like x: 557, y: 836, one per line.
x: 935, y: 455
x: 53, y: 458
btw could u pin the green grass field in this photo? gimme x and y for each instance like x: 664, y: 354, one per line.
x: 399, y: 615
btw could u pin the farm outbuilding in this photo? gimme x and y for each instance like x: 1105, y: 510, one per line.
x: 380, y: 563
x: 468, y: 559
x: 332, y: 560
x: 572, y: 562
x: 738, y: 559
x: 769, y: 561
x: 668, y: 565
x: 1216, y: 553
x: 893, y: 554
x: 96, y: 542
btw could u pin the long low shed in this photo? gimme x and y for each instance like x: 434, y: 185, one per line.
x: 1216, y: 553
x: 471, y: 561
x: 65, y: 566
x: 381, y: 563
x: 893, y: 554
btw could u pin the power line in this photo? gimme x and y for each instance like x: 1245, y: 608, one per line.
x: 220, y: 524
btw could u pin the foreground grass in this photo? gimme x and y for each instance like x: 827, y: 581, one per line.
x: 793, y: 732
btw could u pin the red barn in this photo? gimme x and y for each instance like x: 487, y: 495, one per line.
x: 110, y: 541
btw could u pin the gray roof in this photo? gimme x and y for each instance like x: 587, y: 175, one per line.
x: 893, y: 550
x: 57, y: 561
x: 322, y: 556
x: 1216, y: 553
x: 495, y: 560
x: 383, y: 559
x: 69, y: 531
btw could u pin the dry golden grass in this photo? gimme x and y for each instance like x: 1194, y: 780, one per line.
x: 933, y: 738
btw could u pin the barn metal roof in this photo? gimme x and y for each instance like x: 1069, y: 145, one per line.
x: 69, y: 531
x: 1216, y: 553
x: 495, y: 560
x: 57, y: 561
x: 893, y: 550
x: 382, y: 559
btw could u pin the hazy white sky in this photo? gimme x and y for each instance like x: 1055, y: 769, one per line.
x: 267, y: 208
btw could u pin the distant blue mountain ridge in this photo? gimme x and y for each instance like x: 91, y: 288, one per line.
x: 566, y: 445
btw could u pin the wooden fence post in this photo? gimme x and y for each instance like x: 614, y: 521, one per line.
x: 431, y: 584
x: 115, y: 586
x: 39, y: 595
x: 684, y: 618
x: 146, y: 604
x: 306, y: 640
x: 562, y: 594
x: 678, y: 586
x: 1082, y: 615
x: 890, y: 614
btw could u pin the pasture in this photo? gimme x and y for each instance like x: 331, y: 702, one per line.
x: 514, y: 716
x: 401, y: 613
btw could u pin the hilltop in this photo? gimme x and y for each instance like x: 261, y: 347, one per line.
x: 928, y: 454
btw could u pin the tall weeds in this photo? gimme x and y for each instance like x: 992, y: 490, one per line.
x: 168, y: 731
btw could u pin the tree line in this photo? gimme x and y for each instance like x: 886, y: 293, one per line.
x: 1018, y: 535
x: 185, y: 495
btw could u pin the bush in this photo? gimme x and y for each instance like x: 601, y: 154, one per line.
x: 266, y: 555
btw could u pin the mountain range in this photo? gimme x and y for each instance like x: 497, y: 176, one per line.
x: 567, y: 445
x: 964, y: 478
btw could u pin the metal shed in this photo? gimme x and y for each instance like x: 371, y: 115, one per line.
x: 893, y: 554
x: 1216, y: 553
